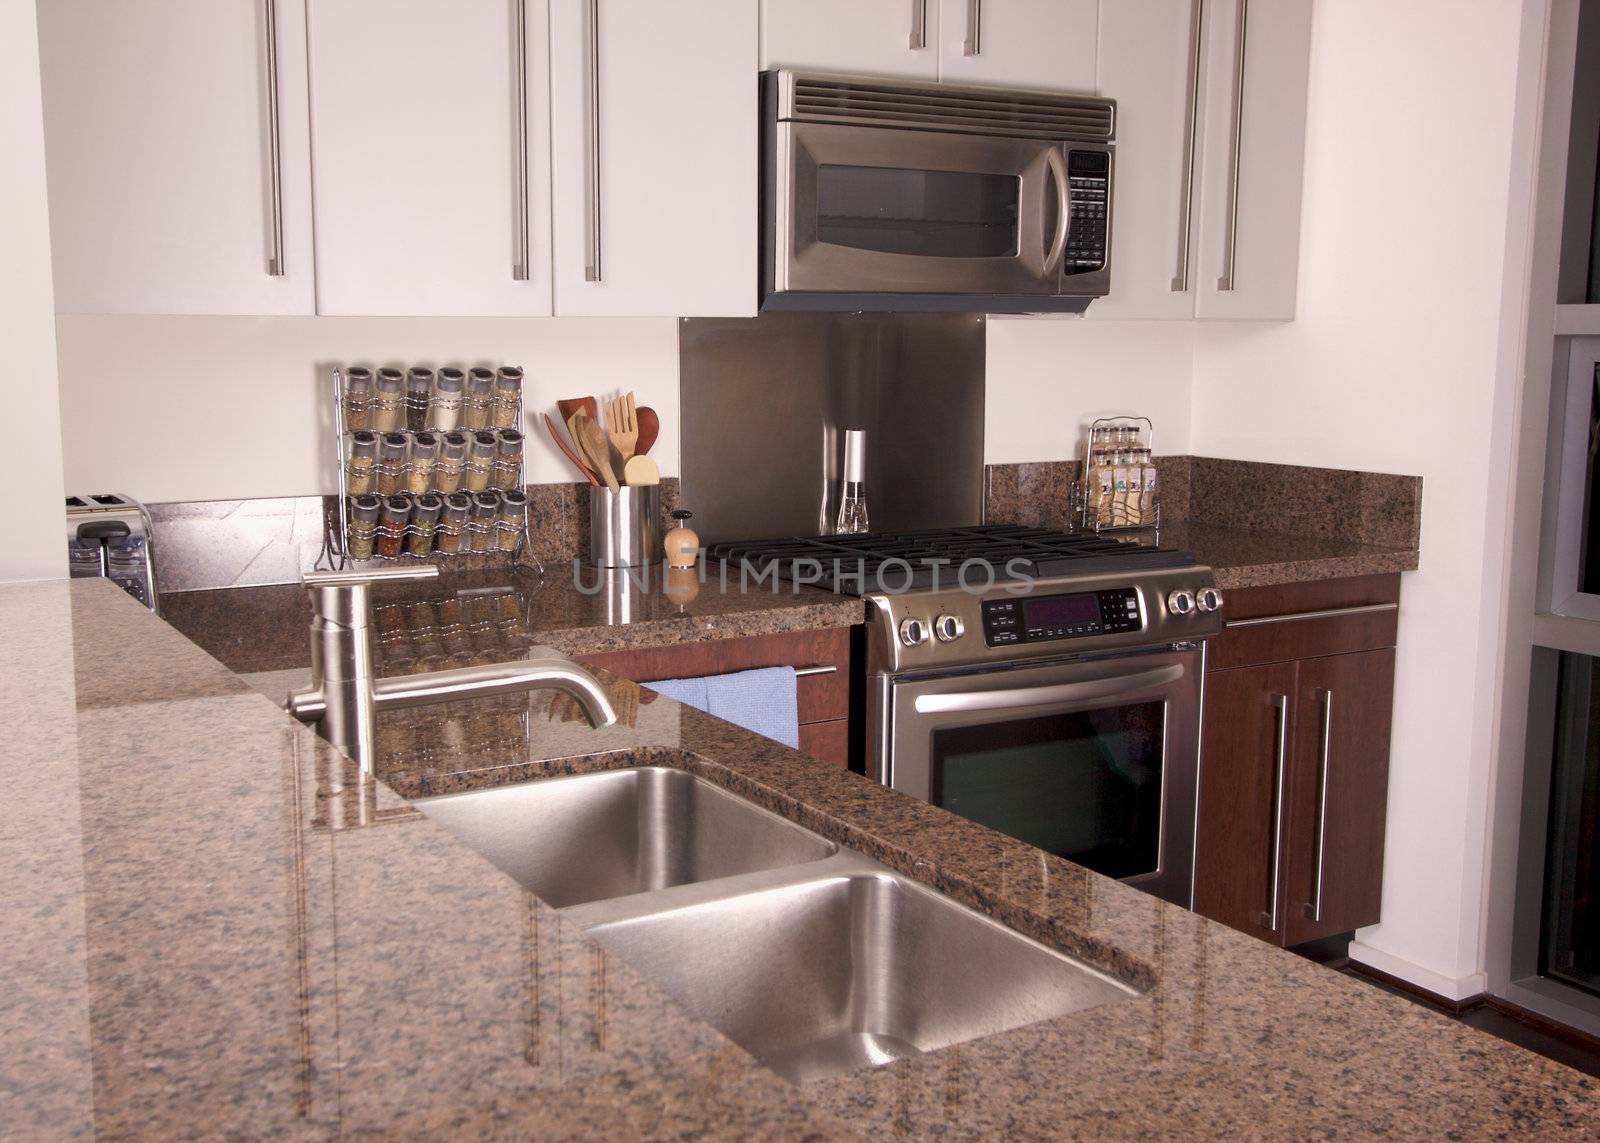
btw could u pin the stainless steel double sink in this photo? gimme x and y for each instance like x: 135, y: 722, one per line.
x: 813, y: 958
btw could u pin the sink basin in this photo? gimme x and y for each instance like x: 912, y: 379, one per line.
x: 591, y: 837
x: 825, y: 976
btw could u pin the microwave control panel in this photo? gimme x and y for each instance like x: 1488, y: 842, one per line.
x: 1089, y: 177
x: 1049, y: 617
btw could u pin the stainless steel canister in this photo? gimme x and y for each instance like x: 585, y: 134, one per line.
x: 625, y: 526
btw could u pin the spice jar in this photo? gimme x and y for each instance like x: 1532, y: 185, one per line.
x: 479, y: 399
x: 424, y: 456
x: 391, y: 467
x: 363, y: 526
x: 480, y: 527
x: 392, y: 525
x: 507, y: 397
x: 513, y: 513
x: 452, y: 458
x: 419, y: 391
x: 388, y: 401
x: 357, y: 398
x: 453, y: 525
x: 480, y: 461
x: 358, y: 471
x: 424, y: 523
x: 445, y: 412
x: 507, y: 471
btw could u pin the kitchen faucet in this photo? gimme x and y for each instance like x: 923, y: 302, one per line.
x: 345, y: 695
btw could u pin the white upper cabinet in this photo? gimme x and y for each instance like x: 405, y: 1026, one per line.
x: 654, y: 128
x: 1047, y: 44
x: 897, y: 38
x: 1211, y: 134
x: 1254, y: 167
x: 177, y: 158
x: 430, y: 131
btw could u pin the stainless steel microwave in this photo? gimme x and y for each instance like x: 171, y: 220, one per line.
x: 886, y: 195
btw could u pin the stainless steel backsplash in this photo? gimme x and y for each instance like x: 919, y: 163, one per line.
x: 766, y: 400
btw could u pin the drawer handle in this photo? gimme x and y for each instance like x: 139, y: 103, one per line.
x: 1296, y: 617
x: 820, y: 669
x: 1324, y: 762
x: 1281, y: 702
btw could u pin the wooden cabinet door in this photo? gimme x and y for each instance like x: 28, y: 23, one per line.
x: 431, y: 136
x: 858, y: 37
x: 1046, y: 44
x: 1149, y: 63
x: 1338, y: 793
x: 1253, y: 157
x: 1243, y: 773
x: 162, y: 169
x: 654, y: 127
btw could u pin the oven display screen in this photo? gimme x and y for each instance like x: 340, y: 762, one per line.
x: 1061, y: 611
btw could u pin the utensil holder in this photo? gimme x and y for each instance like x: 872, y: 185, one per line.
x: 625, y: 526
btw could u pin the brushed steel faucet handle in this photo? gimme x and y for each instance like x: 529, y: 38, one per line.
x: 371, y: 576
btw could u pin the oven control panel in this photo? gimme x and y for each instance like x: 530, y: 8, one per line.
x: 1037, y: 619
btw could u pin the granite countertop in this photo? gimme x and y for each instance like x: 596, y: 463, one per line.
x: 214, y: 928
x: 1251, y: 557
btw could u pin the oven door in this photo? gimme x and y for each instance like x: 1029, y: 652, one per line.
x: 1093, y: 760
x: 878, y: 210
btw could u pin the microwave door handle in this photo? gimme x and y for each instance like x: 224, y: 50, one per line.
x: 1058, y: 244
x: 1020, y: 698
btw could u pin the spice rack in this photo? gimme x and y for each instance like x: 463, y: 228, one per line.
x: 1120, y: 490
x: 428, y: 465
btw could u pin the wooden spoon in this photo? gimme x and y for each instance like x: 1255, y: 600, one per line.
x: 649, y: 429
x: 592, y: 439
x: 555, y: 435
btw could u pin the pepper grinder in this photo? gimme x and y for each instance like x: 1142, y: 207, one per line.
x: 682, y: 544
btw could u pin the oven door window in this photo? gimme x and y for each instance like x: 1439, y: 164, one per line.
x: 1085, y: 785
x: 937, y: 214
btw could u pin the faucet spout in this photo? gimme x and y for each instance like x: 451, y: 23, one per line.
x: 496, y: 679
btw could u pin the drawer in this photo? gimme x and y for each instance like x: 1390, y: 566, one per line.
x: 1307, y: 620
x: 829, y: 741
x: 822, y: 697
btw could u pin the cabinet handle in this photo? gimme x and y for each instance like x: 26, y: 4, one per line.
x: 1180, y: 281
x: 1281, y: 702
x: 274, y: 149
x: 973, y: 44
x: 919, y: 25
x: 1324, y: 761
x: 521, y: 256
x: 1226, y: 281
x: 591, y: 32
x: 820, y: 669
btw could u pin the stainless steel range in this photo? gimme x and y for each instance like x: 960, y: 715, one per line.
x: 1045, y: 684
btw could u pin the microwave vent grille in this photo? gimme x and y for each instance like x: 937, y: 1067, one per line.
x: 988, y: 111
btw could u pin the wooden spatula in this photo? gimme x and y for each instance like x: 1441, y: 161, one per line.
x: 591, y: 438
x: 573, y: 404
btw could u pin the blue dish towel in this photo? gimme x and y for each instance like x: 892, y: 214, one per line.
x: 762, y: 700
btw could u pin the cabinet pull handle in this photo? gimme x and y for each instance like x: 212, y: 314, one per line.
x: 521, y: 256
x: 1180, y: 281
x: 919, y: 25
x: 1299, y: 616
x: 1324, y: 761
x: 820, y: 669
x: 973, y: 44
x: 1281, y: 702
x: 591, y: 33
x: 1226, y: 281
x: 274, y: 148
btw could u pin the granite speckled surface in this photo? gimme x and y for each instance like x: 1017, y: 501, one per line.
x: 193, y: 950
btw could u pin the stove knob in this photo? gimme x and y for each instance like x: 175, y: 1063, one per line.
x: 1209, y: 599
x: 1181, y: 602
x: 913, y: 632
x: 949, y: 628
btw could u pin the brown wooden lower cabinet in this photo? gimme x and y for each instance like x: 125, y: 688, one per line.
x: 824, y: 698
x: 1294, y: 764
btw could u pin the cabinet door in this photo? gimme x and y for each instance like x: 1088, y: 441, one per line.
x: 1253, y: 158
x: 655, y: 172
x: 1150, y: 64
x: 1338, y: 793
x: 1249, y: 713
x: 860, y: 37
x: 430, y: 130
x: 1048, y: 44
x: 167, y: 192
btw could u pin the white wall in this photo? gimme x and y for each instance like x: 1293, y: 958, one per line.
x: 1392, y: 366
x: 214, y: 408
x: 35, y: 544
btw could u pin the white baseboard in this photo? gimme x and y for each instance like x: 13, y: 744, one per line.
x: 1446, y: 987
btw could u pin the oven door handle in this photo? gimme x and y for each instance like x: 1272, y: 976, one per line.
x: 1021, y: 697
